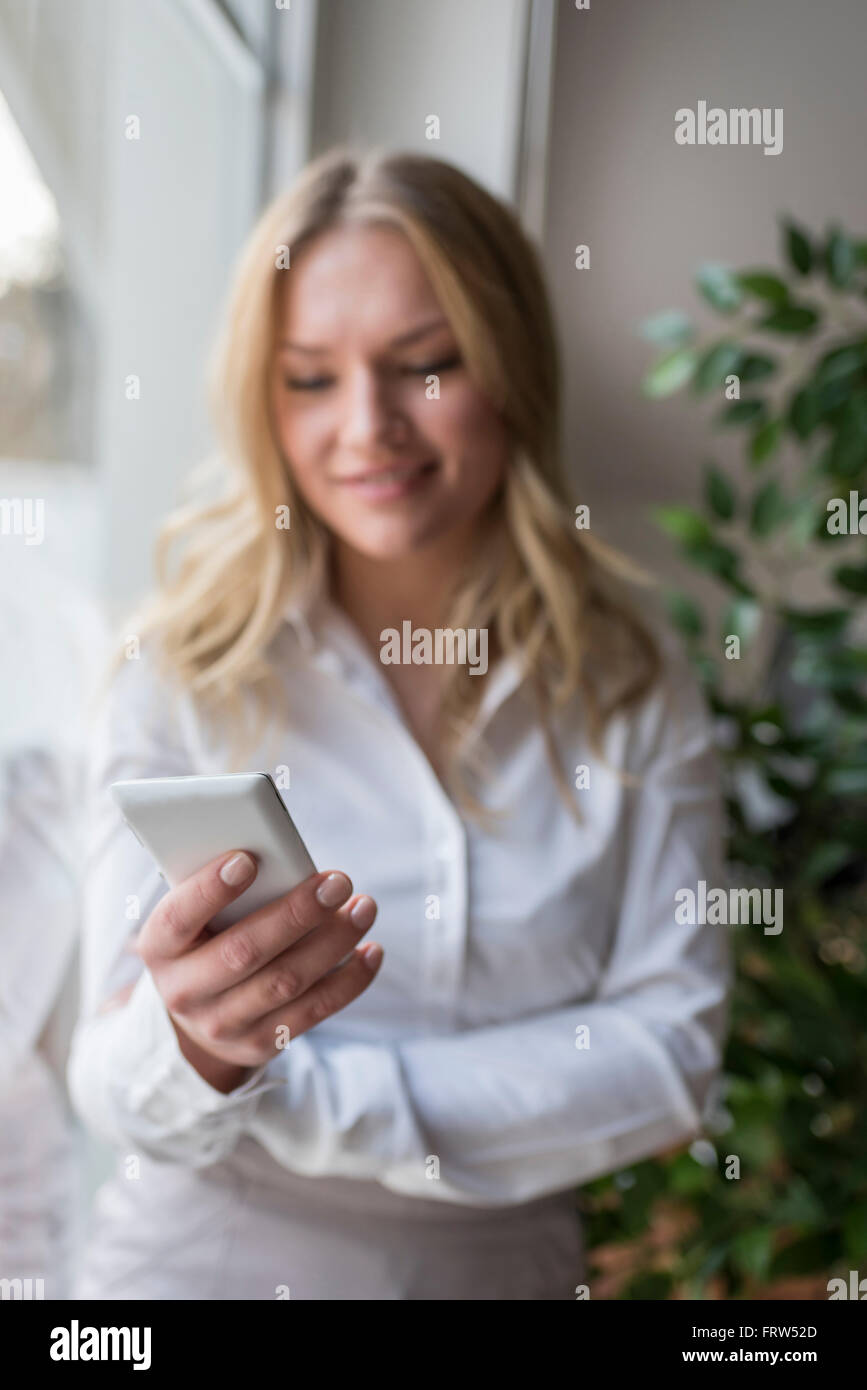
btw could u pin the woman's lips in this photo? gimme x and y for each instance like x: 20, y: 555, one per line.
x: 386, y: 484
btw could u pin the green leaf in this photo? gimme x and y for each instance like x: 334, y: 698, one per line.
x: 847, y: 361
x: 718, y: 559
x: 805, y: 519
x: 752, y: 1250
x: 791, y: 318
x: 708, y: 1268
x: 683, y: 523
x: 757, y: 1142
x: 761, y: 284
x: 841, y: 669
x: 841, y: 258
x: 826, y: 860
x: 804, y: 412
x: 798, y: 1206
x: 704, y: 668
x: 670, y: 328
x: 850, y: 702
x: 811, y: 1254
x: 766, y: 440
x: 768, y: 510
x: 686, y: 1176
x: 720, y: 288
x: 718, y: 362
x: 853, y: 831
x: 847, y: 781
x: 670, y: 373
x: 719, y: 493
x: 768, y: 714
x: 797, y: 248
x: 855, y: 1231
x: 684, y: 613
x: 756, y: 366
x: 742, y: 619
x: 852, y: 577
x: 831, y: 394
x: 649, y: 1285
x: 848, y: 453
x: 822, y: 622
x: 750, y: 412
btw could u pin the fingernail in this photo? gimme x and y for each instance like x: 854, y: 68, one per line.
x: 334, y: 890
x: 363, y: 913
x: 372, y: 955
x: 237, y: 870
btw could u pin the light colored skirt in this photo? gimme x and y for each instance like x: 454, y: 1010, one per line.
x: 248, y: 1229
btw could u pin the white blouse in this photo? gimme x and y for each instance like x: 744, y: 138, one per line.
x: 539, y: 1019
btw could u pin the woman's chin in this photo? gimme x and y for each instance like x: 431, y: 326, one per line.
x: 390, y: 543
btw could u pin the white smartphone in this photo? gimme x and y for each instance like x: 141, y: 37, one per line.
x: 185, y: 822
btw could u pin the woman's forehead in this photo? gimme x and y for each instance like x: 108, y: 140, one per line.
x: 357, y: 282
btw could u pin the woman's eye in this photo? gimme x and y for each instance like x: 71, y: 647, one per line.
x: 435, y: 368
x: 316, y: 383
x: 320, y: 383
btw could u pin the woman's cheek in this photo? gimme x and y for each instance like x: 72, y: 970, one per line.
x: 471, y: 415
x: 480, y: 437
x: 304, y: 445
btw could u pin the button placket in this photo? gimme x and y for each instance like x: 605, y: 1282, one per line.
x: 443, y: 944
x: 341, y: 655
x: 444, y: 940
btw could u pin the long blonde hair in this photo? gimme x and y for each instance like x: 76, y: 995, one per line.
x: 546, y: 591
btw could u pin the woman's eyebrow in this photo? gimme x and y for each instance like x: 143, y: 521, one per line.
x: 402, y: 341
x: 420, y: 332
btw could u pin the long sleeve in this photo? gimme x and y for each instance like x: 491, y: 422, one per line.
x: 128, y: 1079
x: 518, y: 1110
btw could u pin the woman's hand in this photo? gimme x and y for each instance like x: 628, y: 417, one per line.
x: 236, y: 997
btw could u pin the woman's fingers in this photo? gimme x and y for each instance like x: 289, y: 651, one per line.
x: 244, y: 948
x: 284, y: 965
x: 328, y: 996
x: 293, y: 972
x: 186, y: 910
x: 239, y: 952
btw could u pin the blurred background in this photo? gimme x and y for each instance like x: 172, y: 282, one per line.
x: 138, y: 143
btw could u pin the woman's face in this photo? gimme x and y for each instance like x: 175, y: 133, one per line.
x: 386, y: 468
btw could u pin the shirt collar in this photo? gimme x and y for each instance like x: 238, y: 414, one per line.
x: 323, y: 631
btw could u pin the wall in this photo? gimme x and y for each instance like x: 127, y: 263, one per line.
x: 385, y: 65
x: 652, y: 211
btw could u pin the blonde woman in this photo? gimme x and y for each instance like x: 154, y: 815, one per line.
x: 531, y: 1015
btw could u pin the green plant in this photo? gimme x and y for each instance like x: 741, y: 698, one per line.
x: 788, y: 373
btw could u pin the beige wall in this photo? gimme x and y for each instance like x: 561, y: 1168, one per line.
x: 652, y: 211
x: 386, y: 65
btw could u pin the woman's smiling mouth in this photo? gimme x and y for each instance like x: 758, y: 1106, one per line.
x: 387, y: 484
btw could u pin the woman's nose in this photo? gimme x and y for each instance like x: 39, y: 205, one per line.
x: 371, y: 413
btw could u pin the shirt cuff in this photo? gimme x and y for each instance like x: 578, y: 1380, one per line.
x: 153, y: 1081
